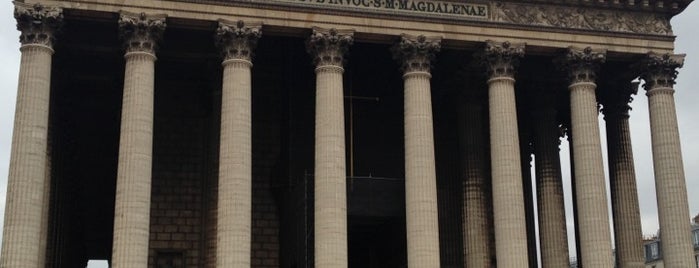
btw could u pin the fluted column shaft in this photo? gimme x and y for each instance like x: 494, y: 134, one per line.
x: 551, y: 210
x: 24, y: 234
x: 328, y: 48
x: 670, y: 185
x: 476, y: 230
x: 590, y: 185
x: 133, y: 190
x: 508, y: 196
x: 234, y: 213
x: 628, y: 236
x: 422, y: 222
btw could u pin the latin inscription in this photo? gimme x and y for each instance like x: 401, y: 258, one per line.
x: 421, y: 7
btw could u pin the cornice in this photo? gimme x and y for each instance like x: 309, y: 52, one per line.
x: 382, y: 25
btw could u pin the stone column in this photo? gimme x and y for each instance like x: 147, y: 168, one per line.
x: 590, y: 185
x: 475, y: 208
x: 549, y: 183
x: 508, y: 197
x: 628, y: 236
x: 660, y: 72
x: 24, y: 239
x: 422, y: 224
x: 576, y: 230
x: 328, y: 48
x: 132, y: 204
x: 234, y: 213
x: 526, y: 151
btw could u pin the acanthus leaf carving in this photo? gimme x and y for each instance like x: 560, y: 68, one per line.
x: 141, y: 32
x: 501, y: 59
x: 582, y: 65
x: 328, y: 46
x: 38, y: 24
x: 617, y: 99
x: 238, y: 40
x: 660, y: 70
x: 416, y: 53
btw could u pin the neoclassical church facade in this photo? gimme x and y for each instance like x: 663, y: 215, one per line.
x: 339, y: 133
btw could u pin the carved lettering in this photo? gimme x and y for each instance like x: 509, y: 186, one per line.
x: 424, y: 7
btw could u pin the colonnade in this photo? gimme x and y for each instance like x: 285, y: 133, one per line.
x: 26, y: 211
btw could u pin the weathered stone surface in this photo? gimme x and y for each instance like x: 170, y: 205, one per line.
x: 659, y: 72
x: 590, y: 183
x: 508, y: 196
x: 581, y: 18
x: 134, y: 174
x: 420, y: 176
x: 24, y: 233
x: 328, y: 48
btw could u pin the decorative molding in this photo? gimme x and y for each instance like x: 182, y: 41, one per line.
x: 38, y: 24
x: 141, y: 32
x: 581, y: 18
x: 416, y: 53
x: 582, y: 64
x: 660, y: 70
x: 501, y: 59
x: 237, y: 40
x: 328, y: 46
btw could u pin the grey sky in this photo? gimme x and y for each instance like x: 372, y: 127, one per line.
x: 687, y: 98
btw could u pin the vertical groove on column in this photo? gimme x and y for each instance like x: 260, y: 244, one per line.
x: 420, y: 176
x: 595, y: 234
x: 132, y: 203
x: 28, y: 162
x: 475, y: 219
x: 669, y: 179
x: 330, y: 172
x: 235, y: 167
x: 628, y: 235
x: 44, y: 235
x: 552, y: 221
x: 508, y: 198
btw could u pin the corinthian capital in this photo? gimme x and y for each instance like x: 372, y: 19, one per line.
x: 37, y: 23
x: 141, y: 32
x: 501, y: 59
x: 616, y: 99
x: 237, y: 40
x: 416, y: 53
x: 582, y: 64
x: 660, y: 70
x: 328, y: 46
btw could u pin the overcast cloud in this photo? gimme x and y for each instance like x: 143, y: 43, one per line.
x: 687, y: 97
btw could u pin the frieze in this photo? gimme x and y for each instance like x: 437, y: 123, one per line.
x: 566, y: 17
x: 420, y: 8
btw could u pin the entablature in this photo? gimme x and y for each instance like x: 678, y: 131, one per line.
x: 623, y: 26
